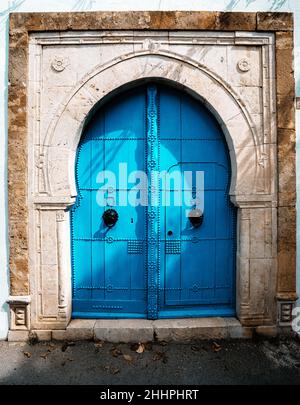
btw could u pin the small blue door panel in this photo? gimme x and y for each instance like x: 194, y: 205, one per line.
x: 109, y: 265
x: 153, y: 263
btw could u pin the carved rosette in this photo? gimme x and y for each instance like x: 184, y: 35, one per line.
x: 244, y: 65
x: 59, y: 63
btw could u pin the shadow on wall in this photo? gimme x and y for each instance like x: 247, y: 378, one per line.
x: 275, y: 5
x: 83, y: 5
x: 14, y: 4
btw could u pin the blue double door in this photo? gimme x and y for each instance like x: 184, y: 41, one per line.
x: 153, y: 229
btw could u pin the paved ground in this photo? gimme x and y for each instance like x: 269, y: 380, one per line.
x: 235, y: 362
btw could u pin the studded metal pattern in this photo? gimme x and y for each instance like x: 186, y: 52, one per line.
x: 135, y: 247
x: 173, y: 247
x: 153, y: 212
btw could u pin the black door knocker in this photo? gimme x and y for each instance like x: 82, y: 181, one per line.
x: 110, y: 217
x: 196, y: 217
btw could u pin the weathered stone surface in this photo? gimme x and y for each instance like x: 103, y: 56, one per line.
x: 18, y: 58
x: 138, y: 330
x: 286, y: 110
x: 17, y: 168
x: 185, y: 330
x: 286, y: 167
x: 285, y: 90
x: 286, y: 252
x: 178, y: 20
x: 285, y: 71
x: 229, y: 21
x: 236, y: 330
x: 17, y: 336
x: 181, y: 330
x: 78, y: 329
x: 124, y: 330
x: 267, y: 331
x: 284, y: 40
x: 271, y: 21
x: 132, y: 331
x: 43, y: 335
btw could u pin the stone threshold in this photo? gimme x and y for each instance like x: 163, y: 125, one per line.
x: 139, y: 330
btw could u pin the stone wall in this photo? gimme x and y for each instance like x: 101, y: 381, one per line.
x: 275, y: 212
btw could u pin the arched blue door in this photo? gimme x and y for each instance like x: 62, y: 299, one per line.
x: 153, y: 229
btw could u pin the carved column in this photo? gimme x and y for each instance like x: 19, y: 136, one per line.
x: 64, y: 276
x: 256, y: 264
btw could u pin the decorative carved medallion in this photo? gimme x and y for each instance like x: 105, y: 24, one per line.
x: 244, y: 65
x: 60, y: 63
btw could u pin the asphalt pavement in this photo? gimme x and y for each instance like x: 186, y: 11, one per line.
x: 205, y: 362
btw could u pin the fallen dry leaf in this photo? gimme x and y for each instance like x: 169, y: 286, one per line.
x: 99, y: 344
x: 66, y: 345
x: 128, y: 358
x: 216, y: 347
x: 27, y: 354
x: 44, y: 355
x: 141, y: 348
x: 116, y: 352
x: 114, y: 370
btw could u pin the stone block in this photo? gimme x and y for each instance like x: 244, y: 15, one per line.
x: 121, y: 330
x: 18, y: 335
x: 78, y: 329
x: 284, y: 40
x: 203, y: 20
x: 43, y: 335
x: 185, y: 330
x: 237, y: 21
x: 267, y: 331
x: 272, y: 21
x: 18, y: 58
x: 286, y: 277
x: 237, y: 331
x: 285, y: 82
x: 286, y: 110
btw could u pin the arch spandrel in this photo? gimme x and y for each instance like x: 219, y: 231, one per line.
x: 240, y: 133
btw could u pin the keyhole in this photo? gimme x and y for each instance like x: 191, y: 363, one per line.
x: 132, y: 220
x: 170, y: 233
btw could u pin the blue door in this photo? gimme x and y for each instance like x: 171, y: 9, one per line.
x: 153, y: 229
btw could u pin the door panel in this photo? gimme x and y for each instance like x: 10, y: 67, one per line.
x: 153, y: 263
x: 109, y: 264
x: 197, y: 269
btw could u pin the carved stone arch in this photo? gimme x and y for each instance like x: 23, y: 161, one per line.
x: 252, y: 148
x: 64, y: 133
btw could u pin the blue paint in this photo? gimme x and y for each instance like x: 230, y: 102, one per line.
x: 199, y: 280
x: 153, y: 263
x: 109, y: 265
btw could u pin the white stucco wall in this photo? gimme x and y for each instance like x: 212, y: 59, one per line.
x: 7, y: 6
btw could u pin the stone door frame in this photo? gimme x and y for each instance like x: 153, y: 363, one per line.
x: 41, y: 172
